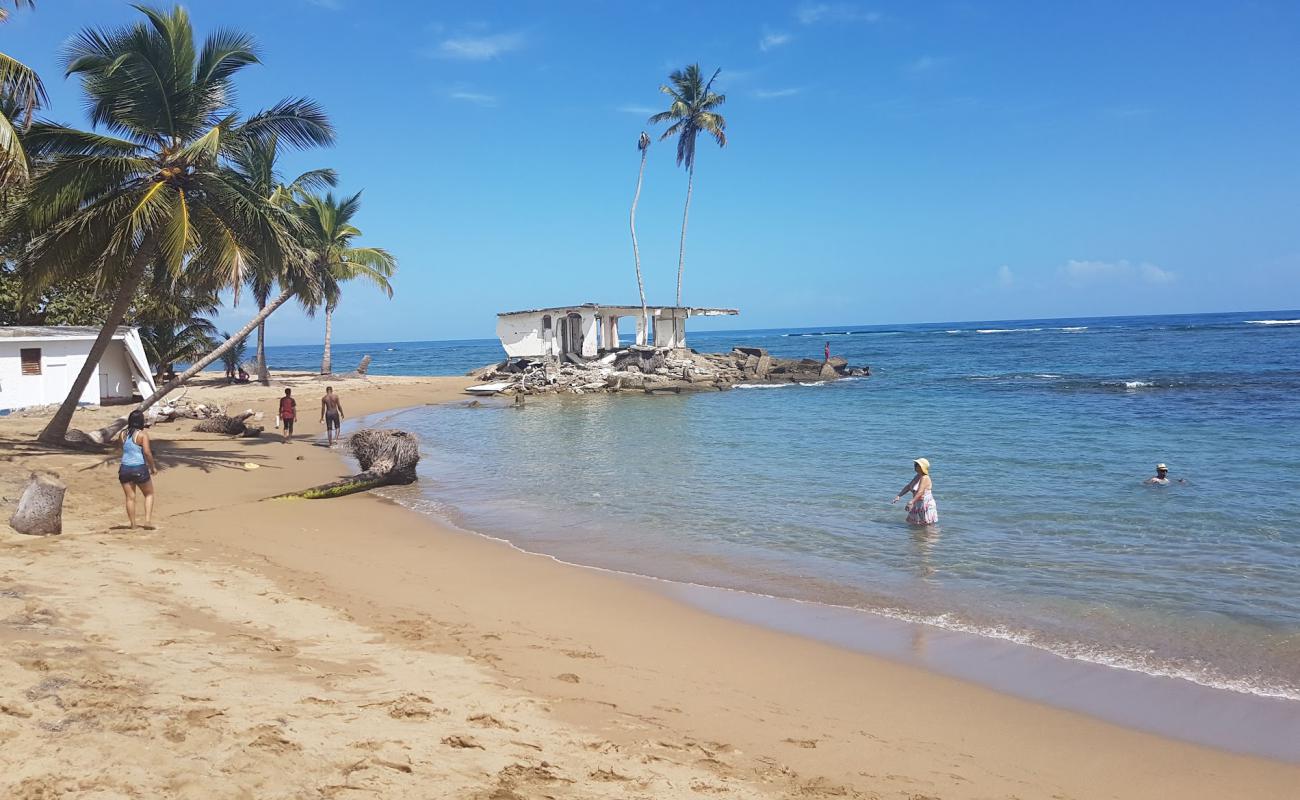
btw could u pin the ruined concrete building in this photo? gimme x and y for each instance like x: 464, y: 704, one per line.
x: 590, y: 330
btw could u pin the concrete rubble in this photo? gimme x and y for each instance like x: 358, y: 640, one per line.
x: 651, y: 370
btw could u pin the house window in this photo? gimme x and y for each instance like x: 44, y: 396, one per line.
x: 31, y: 358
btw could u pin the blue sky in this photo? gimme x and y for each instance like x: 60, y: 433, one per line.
x: 887, y: 162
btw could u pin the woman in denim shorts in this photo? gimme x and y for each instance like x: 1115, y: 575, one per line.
x: 137, y: 468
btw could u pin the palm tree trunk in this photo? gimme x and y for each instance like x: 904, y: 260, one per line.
x: 220, y: 351
x: 681, y: 253
x: 325, y: 364
x: 263, y: 376
x: 56, y: 431
x: 686, y: 213
x: 636, y: 252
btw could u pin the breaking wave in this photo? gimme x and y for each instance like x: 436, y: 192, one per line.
x: 1273, y: 322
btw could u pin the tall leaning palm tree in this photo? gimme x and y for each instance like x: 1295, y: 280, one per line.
x: 151, y: 184
x: 258, y: 163
x: 21, y: 93
x: 329, y: 235
x: 691, y: 111
x: 642, y: 144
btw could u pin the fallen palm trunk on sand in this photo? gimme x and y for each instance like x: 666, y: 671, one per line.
x: 232, y: 426
x: 387, y: 457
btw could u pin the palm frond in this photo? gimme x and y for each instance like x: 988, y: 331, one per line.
x: 299, y: 121
x: 20, y: 85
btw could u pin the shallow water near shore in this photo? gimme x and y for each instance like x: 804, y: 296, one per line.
x: 1040, y: 434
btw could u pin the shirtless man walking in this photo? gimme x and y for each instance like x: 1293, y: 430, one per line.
x: 331, y: 413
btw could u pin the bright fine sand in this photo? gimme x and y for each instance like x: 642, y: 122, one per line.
x: 352, y: 648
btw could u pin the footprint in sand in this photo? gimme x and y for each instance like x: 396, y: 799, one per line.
x: 568, y: 677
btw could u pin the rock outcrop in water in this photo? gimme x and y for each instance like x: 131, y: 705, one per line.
x: 651, y: 370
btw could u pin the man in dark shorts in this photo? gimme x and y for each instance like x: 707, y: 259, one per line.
x: 288, y: 413
x: 331, y: 413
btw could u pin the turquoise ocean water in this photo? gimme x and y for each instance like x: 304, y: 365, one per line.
x: 1040, y: 434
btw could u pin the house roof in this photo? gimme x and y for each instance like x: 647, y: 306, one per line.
x: 624, y: 310
x: 56, y: 331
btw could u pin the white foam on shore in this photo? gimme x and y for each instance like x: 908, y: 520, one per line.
x: 776, y: 385
x: 1273, y: 322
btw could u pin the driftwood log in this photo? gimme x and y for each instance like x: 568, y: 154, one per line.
x: 234, y: 426
x: 387, y: 457
x: 40, y: 509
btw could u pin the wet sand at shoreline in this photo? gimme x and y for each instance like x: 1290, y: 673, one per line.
x: 314, y: 648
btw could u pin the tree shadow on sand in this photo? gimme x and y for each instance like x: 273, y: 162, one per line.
x: 200, y: 453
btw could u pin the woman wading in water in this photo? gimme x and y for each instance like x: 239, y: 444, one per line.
x: 137, y: 468
x: 921, y: 509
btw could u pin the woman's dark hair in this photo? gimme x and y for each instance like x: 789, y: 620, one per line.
x: 135, y: 420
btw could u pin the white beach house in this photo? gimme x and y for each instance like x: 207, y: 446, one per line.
x: 39, y: 363
x: 590, y: 329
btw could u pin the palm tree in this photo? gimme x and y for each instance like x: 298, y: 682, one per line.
x: 152, y: 183
x: 691, y: 111
x: 21, y: 93
x: 642, y: 144
x: 257, y: 162
x: 174, y: 326
x: 330, y: 232
x: 234, y: 355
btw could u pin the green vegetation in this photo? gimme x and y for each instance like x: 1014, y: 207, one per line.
x: 171, y: 192
x: 329, y: 234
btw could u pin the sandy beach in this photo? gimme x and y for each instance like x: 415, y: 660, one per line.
x: 351, y: 647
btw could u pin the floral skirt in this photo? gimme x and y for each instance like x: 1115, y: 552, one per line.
x: 923, y: 511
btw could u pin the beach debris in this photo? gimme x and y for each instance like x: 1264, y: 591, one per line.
x: 654, y: 370
x: 233, y: 426
x: 387, y: 457
x: 248, y: 465
x: 40, y: 507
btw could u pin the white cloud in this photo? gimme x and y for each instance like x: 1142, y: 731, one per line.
x: 477, y: 98
x: 635, y: 109
x: 813, y: 13
x: 771, y: 94
x: 478, y: 48
x: 925, y: 64
x: 772, y: 40
x: 1152, y: 274
x: 1088, y: 273
x: 1005, y: 276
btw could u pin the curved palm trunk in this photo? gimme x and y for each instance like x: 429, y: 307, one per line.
x: 686, y: 213
x: 220, y: 351
x: 55, y: 432
x: 681, y: 253
x: 636, y: 252
x: 326, y: 365
x: 263, y: 376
